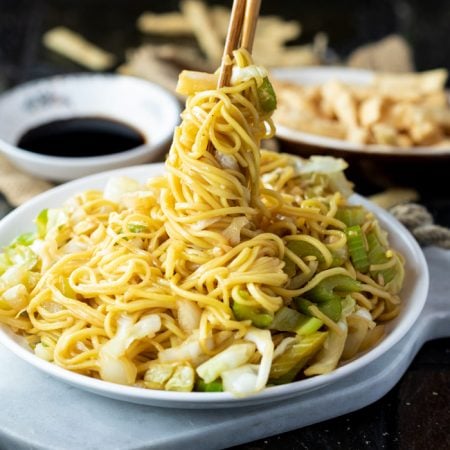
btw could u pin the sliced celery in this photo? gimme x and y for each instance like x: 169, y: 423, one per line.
x: 309, y: 326
x: 331, y: 308
x: 357, y: 249
x: 377, y: 255
x: 288, y: 319
x: 288, y: 364
x: 302, y: 304
x: 331, y: 287
x: 303, y: 248
x: 289, y: 267
x: 259, y: 318
x: 351, y: 215
x: 213, y: 386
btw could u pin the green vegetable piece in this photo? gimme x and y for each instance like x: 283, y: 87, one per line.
x: 288, y: 377
x: 20, y: 255
x: 25, y: 239
x: 267, y: 97
x: 213, y: 386
x: 302, y: 249
x: 41, y: 223
x: 290, y: 269
x: 287, y: 319
x: 309, y: 326
x: 331, y: 287
x: 302, y: 304
x: 331, y: 308
x: 351, y: 215
x: 137, y: 228
x: 259, y: 318
x: 288, y: 364
x: 357, y: 249
x: 377, y: 255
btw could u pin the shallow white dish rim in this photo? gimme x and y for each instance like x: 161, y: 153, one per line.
x: 317, y: 75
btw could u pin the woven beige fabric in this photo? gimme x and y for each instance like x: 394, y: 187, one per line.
x: 18, y: 187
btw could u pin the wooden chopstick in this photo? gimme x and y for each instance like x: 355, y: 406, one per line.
x: 242, y: 27
x: 251, y: 17
x: 231, y: 41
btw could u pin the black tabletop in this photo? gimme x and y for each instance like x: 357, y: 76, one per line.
x: 415, y: 414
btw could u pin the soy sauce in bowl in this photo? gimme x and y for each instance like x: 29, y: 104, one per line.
x: 81, y: 137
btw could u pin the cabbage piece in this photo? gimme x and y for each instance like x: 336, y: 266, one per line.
x: 116, y: 187
x: 234, y: 356
x: 240, y: 381
x: 17, y: 255
x: 189, y: 315
x: 16, y: 297
x: 298, y: 352
x: 13, y: 276
x: 241, y: 74
x: 333, y: 168
x: 358, y: 327
x: 44, y: 352
x: 157, y: 374
x: 189, y: 350
x: 233, y: 232
x: 251, y: 378
x: 182, y: 379
x: 50, y: 219
x: 329, y: 356
x: 114, y: 365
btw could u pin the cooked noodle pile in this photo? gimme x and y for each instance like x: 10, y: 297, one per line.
x: 236, y: 269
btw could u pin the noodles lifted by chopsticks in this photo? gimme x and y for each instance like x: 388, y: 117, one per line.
x: 236, y: 269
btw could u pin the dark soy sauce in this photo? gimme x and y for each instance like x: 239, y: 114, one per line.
x: 81, y: 137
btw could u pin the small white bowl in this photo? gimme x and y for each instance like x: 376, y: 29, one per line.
x: 142, y: 105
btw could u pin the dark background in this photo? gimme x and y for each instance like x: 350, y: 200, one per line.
x: 425, y: 24
x: 416, y: 413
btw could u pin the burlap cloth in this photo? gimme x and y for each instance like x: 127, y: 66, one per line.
x: 17, y: 186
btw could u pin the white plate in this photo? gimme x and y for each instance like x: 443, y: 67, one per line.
x: 312, y: 76
x: 413, y: 297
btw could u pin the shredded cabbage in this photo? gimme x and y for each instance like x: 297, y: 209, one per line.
x: 114, y: 365
x: 234, y: 356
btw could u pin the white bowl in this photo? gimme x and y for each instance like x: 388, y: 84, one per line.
x: 413, y: 299
x: 142, y: 105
